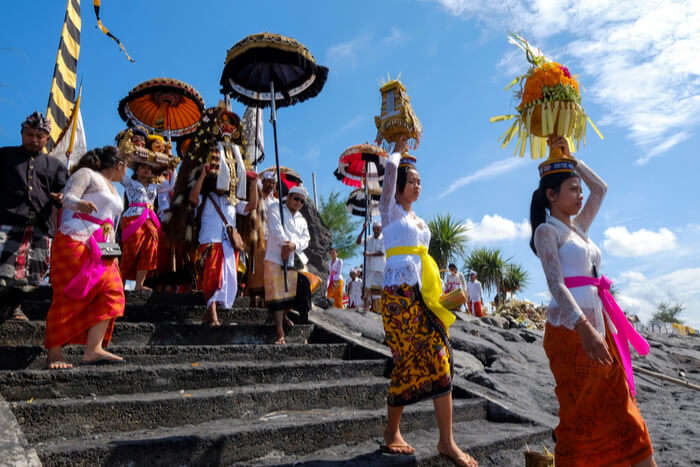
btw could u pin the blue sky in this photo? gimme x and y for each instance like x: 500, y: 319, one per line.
x: 637, y: 62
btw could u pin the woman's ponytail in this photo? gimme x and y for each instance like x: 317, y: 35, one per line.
x: 540, y: 203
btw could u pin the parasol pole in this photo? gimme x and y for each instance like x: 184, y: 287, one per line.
x: 255, y: 151
x: 273, y: 120
x: 364, y: 255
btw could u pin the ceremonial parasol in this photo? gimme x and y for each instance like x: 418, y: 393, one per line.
x: 357, y: 203
x: 261, y: 63
x: 361, y: 163
x: 164, y: 106
x: 362, y: 166
x: 289, y: 178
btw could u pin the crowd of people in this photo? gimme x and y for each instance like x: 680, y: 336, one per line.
x: 600, y: 423
x: 76, y: 229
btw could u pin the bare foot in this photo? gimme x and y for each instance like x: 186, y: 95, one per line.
x: 55, y: 360
x: 144, y: 288
x: 211, y: 318
x: 395, y: 444
x: 457, y: 456
x: 102, y: 354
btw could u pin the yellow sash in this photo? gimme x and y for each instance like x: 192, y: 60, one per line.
x: 431, y: 287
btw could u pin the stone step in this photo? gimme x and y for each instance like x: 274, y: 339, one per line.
x: 71, y: 418
x: 34, y: 357
x: 43, y: 294
x: 13, y: 332
x: 226, y: 441
x: 491, y: 444
x: 157, y: 312
x: 86, y: 381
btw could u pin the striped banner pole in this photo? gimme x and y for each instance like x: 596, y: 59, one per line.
x: 60, y: 106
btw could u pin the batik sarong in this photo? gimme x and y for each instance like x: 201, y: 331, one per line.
x: 24, y: 255
x: 69, y: 319
x: 419, y: 344
x: 599, y: 422
x: 140, y: 250
x: 298, y: 294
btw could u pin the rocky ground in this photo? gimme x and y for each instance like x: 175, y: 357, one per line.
x: 510, y: 365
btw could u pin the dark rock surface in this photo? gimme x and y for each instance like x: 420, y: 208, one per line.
x: 510, y: 365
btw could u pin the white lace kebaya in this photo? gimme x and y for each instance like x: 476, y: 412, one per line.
x: 400, y: 228
x: 565, y: 252
x: 88, y: 185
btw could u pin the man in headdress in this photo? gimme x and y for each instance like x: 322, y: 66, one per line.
x: 32, y: 183
x: 285, y: 243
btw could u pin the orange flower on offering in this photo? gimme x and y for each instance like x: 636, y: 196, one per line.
x: 549, y: 75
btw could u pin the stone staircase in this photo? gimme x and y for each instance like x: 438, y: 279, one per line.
x: 194, y: 395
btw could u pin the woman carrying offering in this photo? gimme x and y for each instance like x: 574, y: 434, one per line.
x: 88, y: 294
x: 415, y: 323
x: 599, y: 422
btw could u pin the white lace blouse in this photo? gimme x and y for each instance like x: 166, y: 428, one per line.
x: 567, y: 251
x: 86, y: 184
x: 136, y: 192
x: 400, y: 228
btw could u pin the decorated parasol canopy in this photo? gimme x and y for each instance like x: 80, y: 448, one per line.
x: 550, y: 105
x: 357, y: 203
x: 260, y: 59
x: 360, y: 163
x: 289, y: 178
x: 164, y: 106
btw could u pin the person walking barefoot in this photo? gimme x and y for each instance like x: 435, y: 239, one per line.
x: 415, y: 324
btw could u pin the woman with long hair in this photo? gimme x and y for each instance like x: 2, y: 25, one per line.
x: 599, y: 422
x: 415, y: 324
x: 88, y: 294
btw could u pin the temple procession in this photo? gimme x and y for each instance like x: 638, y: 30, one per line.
x: 178, y: 296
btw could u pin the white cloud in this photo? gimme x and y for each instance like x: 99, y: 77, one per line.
x: 621, y: 242
x: 639, y: 57
x: 491, y: 170
x: 494, y: 228
x: 640, y: 295
x: 394, y: 36
x: 346, y: 52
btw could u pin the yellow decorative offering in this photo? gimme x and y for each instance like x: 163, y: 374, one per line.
x: 550, y: 105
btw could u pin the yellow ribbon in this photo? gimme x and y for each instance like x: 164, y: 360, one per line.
x: 431, y: 287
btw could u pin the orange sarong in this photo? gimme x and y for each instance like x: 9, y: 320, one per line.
x: 599, y: 422
x: 209, y: 261
x: 69, y: 319
x: 335, y: 293
x: 139, y: 251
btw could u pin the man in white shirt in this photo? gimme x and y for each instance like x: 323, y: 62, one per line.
x: 374, y: 280
x: 216, y: 256
x: 285, y: 242
x: 475, y: 295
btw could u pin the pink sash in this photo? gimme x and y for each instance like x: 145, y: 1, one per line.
x: 92, y: 269
x: 147, y: 213
x: 625, y: 331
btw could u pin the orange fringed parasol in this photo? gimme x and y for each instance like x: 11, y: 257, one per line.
x: 164, y: 106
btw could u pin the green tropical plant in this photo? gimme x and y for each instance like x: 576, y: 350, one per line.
x: 495, y: 273
x: 339, y: 221
x: 668, y: 313
x: 515, y: 278
x: 447, y: 239
x: 488, y: 265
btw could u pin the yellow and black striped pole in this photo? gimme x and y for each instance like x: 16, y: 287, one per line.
x: 61, y: 98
